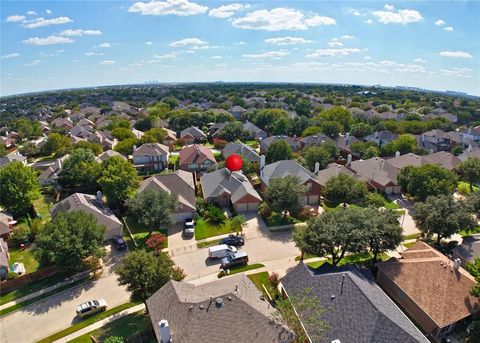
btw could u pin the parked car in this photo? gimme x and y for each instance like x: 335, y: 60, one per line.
x: 221, y: 251
x: 240, y: 258
x: 119, y: 243
x: 91, y: 307
x: 189, y: 228
x: 236, y: 241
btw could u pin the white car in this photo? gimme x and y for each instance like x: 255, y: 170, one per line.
x: 91, y: 307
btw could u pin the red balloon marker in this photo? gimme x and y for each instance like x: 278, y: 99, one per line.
x: 234, y: 162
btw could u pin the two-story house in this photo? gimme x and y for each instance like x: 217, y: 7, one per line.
x: 192, y: 135
x: 151, y: 156
x: 196, y: 158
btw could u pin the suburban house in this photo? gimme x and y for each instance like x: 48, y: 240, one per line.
x: 461, y: 139
x: 81, y: 131
x: 223, y: 187
x: 50, y: 175
x: 343, y: 143
x: 4, y: 259
x: 378, y: 173
x: 215, y: 128
x: 265, y: 143
x: 410, y: 159
x: 6, y: 225
x: 170, y: 138
x: 443, y: 159
x: 12, y: 157
x: 473, y: 133
x: 192, y: 135
x: 180, y: 184
x: 254, y: 130
x: 317, y: 139
x: 93, y: 205
x: 381, y: 137
x: 333, y: 169
x: 104, y: 138
x: 436, y: 140
x: 284, y: 168
x: 356, y: 309
x: 150, y: 157
x: 107, y: 154
x: 469, y: 250
x: 63, y: 123
x: 196, y: 158
x: 215, y: 312
x: 238, y: 112
x: 469, y: 152
x: 437, y: 300
x: 7, y: 141
x: 242, y: 149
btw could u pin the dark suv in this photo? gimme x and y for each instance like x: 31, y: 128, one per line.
x: 236, y: 241
x: 240, y: 258
x: 119, y: 243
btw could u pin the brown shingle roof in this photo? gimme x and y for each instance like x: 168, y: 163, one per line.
x: 195, y: 153
x: 443, y: 159
x: 433, y: 284
x: 151, y: 149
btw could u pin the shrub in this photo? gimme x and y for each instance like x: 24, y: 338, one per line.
x: 463, y: 188
x: 374, y: 199
x: 274, y: 279
x: 155, y: 242
x: 264, y: 210
x: 304, y: 214
x: 11, y: 275
x: 178, y: 274
x: 114, y: 339
x: 21, y: 234
x: 214, y: 215
x: 219, y: 143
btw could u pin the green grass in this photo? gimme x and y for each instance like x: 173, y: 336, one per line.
x: 42, y: 207
x: 362, y: 258
x: 260, y: 279
x: 89, y: 321
x: 217, y: 155
x: 390, y: 205
x: 464, y: 187
x: 408, y: 245
x: 24, y: 256
x: 334, y: 207
x: 412, y: 236
x: 30, y: 288
x: 140, y: 233
x: 241, y: 269
x: 464, y: 232
x: 173, y: 159
x: 277, y: 219
x: 203, y: 229
x: 208, y: 244
x: 43, y: 296
x: 125, y: 327
x: 305, y: 257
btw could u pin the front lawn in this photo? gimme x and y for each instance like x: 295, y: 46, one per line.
x: 277, y: 219
x: 125, y: 327
x: 24, y: 256
x: 408, y: 245
x: 464, y: 232
x: 260, y: 279
x: 141, y: 233
x: 362, y: 258
x: 241, y: 269
x: 464, y: 187
x: 203, y: 229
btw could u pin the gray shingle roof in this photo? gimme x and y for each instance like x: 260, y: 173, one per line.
x: 14, y: 156
x: 151, y: 149
x: 443, y: 159
x: 193, y: 131
x: 377, y: 170
x: 280, y: 169
x: 357, y: 310
x: 220, y: 181
x: 193, y: 318
x: 241, y: 149
x: 333, y: 169
x: 472, y: 153
x: 407, y: 160
x: 317, y: 139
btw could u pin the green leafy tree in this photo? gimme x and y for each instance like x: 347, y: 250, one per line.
x: 114, y: 339
x: 404, y: 143
x: 278, y: 151
x: 311, y: 130
x: 80, y: 171
x: 159, y: 110
x: 344, y: 188
x: 318, y: 153
x: 57, y: 144
x: 233, y: 131
x: 374, y: 199
x: 157, y: 133
x: 171, y: 102
x: 469, y: 171
x: 27, y: 128
x: 361, y: 130
x: 266, y: 118
x: 3, y: 150
x: 214, y: 215
x: 474, y: 201
x: 331, y: 128
x: 125, y: 147
x: 238, y: 222
x: 144, y: 273
x: 443, y: 216
x: 29, y: 149
x: 94, y: 147
x: 302, y: 107
x: 285, y: 194
x: 364, y: 149
x: 427, y: 180
x: 336, y: 114
x: 474, y: 269
x: 119, y: 179
x: 19, y: 187
x: 69, y: 239
x: 122, y: 133
x: 153, y: 209
x: 474, y: 332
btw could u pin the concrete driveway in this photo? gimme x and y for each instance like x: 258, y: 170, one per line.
x: 57, y: 312
x: 406, y: 220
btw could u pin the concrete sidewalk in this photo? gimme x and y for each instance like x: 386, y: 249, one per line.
x: 101, y: 323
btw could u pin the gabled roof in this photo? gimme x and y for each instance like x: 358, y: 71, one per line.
x: 151, y: 149
x: 180, y: 183
x: 280, y: 169
x: 195, y: 153
x: 269, y: 140
x: 377, y: 170
x: 241, y: 149
x: 222, y: 181
x: 52, y: 171
x: 4, y: 220
x: 469, y: 249
x: 253, y: 129
x: 443, y: 159
x: 193, y: 131
x: 356, y: 309
x: 407, y: 160
x: 383, y: 135
x: 333, y: 169
x: 316, y: 139
x: 466, y: 154
x: 344, y: 142
x: 442, y: 292
x: 107, y: 154
x: 193, y: 318
x: 12, y: 157
x: 170, y: 133
x: 437, y: 133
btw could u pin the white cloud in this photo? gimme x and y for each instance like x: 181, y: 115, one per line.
x: 50, y: 40
x: 217, y: 57
x: 279, y: 19
x: 457, y: 54
x: 108, y: 62
x: 268, y: 54
x: 168, y: 7
x: 188, y: 42
x: 334, y: 52
x: 287, y: 40
x: 33, y: 63
x: 347, y: 37
x: 354, y: 12
x: 42, y: 22
x: 48, y: 11
x: 367, y: 58
x: 419, y: 60
x: 439, y: 22
x: 369, y: 21
x: 94, y: 53
x: 105, y: 45
x: 80, y: 32
x: 165, y: 56
x: 226, y: 11
x: 335, y: 44
x: 448, y: 28
x: 390, y: 16
x: 31, y: 13
x: 148, y: 43
x: 389, y: 7
x: 15, y: 18
x: 240, y: 43
x: 12, y: 55
x: 457, y: 72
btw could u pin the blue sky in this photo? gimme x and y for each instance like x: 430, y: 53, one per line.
x: 62, y: 44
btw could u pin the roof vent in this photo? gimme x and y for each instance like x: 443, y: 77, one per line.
x: 332, y: 297
x: 336, y: 341
x: 191, y: 308
x: 201, y: 307
x: 229, y: 298
x: 219, y: 302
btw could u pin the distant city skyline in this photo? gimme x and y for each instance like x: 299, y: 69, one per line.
x: 48, y: 45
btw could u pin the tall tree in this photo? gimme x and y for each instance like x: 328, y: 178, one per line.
x: 57, y: 144
x: 404, y: 143
x: 153, y: 208
x: 3, y: 150
x: 469, y: 171
x: 443, y: 216
x: 285, y: 194
x: 278, y: 151
x: 474, y: 201
x: 80, y: 172
x: 119, y: 179
x: 331, y: 128
x: 19, y: 187
x: 318, y: 153
x: 69, y: 239
x: 344, y: 188
x: 233, y: 131
x: 94, y: 147
x: 125, y: 147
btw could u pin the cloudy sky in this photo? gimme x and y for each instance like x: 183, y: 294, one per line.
x: 63, y: 44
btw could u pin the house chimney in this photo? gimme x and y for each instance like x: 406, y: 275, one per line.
x: 376, y: 134
x: 165, y: 336
x: 430, y: 152
x: 349, y: 159
x: 317, y: 167
x: 347, y: 138
x: 456, y: 264
x: 99, y: 196
x: 423, y: 138
x: 469, y: 149
x: 262, y: 162
x: 397, y: 154
x: 134, y: 148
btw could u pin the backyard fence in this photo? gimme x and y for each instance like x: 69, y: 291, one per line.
x: 22, y: 280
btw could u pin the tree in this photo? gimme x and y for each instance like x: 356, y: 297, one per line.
x: 331, y: 128
x: 153, y: 209
x: 94, y: 147
x: 233, y: 131
x: 144, y: 273
x: 285, y: 194
x: 237, y: 223
x: 157, y: 133
x: 311, y: 130
x: 279, y: 150
x: 29, y: 149
x: 3, y: 150
x: 122, y: 133
x: 214, y: 215
x: 156, y: 242
x: 332, y: 233
x: 344, y: 188
x: 474, y: 332
x: 443, y: 216
x: 19, y: 187
x: 119, y: 179
x: 474, y: 201
x: 469, y: 171
x: 69, y: 239
x: 57, y: 144
x: 361, y: 130
x: 336, y: 114
x: 374, y: 199
x: 302, y: 107
x: 80, y: 172
x: 114, y: 339
x: 317, y: 153
x: 27, y: 128
x: 427, y: 180
x: 404, y: 144
x: 125, y: 147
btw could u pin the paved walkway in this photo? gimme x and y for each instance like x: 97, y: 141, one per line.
x: 101, y: 323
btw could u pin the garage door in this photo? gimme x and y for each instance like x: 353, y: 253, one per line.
x: 241, y: 207
x: 253, y: 207
x: 313, y: 199
x: 180, y: 217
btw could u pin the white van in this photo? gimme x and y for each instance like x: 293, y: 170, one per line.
x: 221, y: 251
